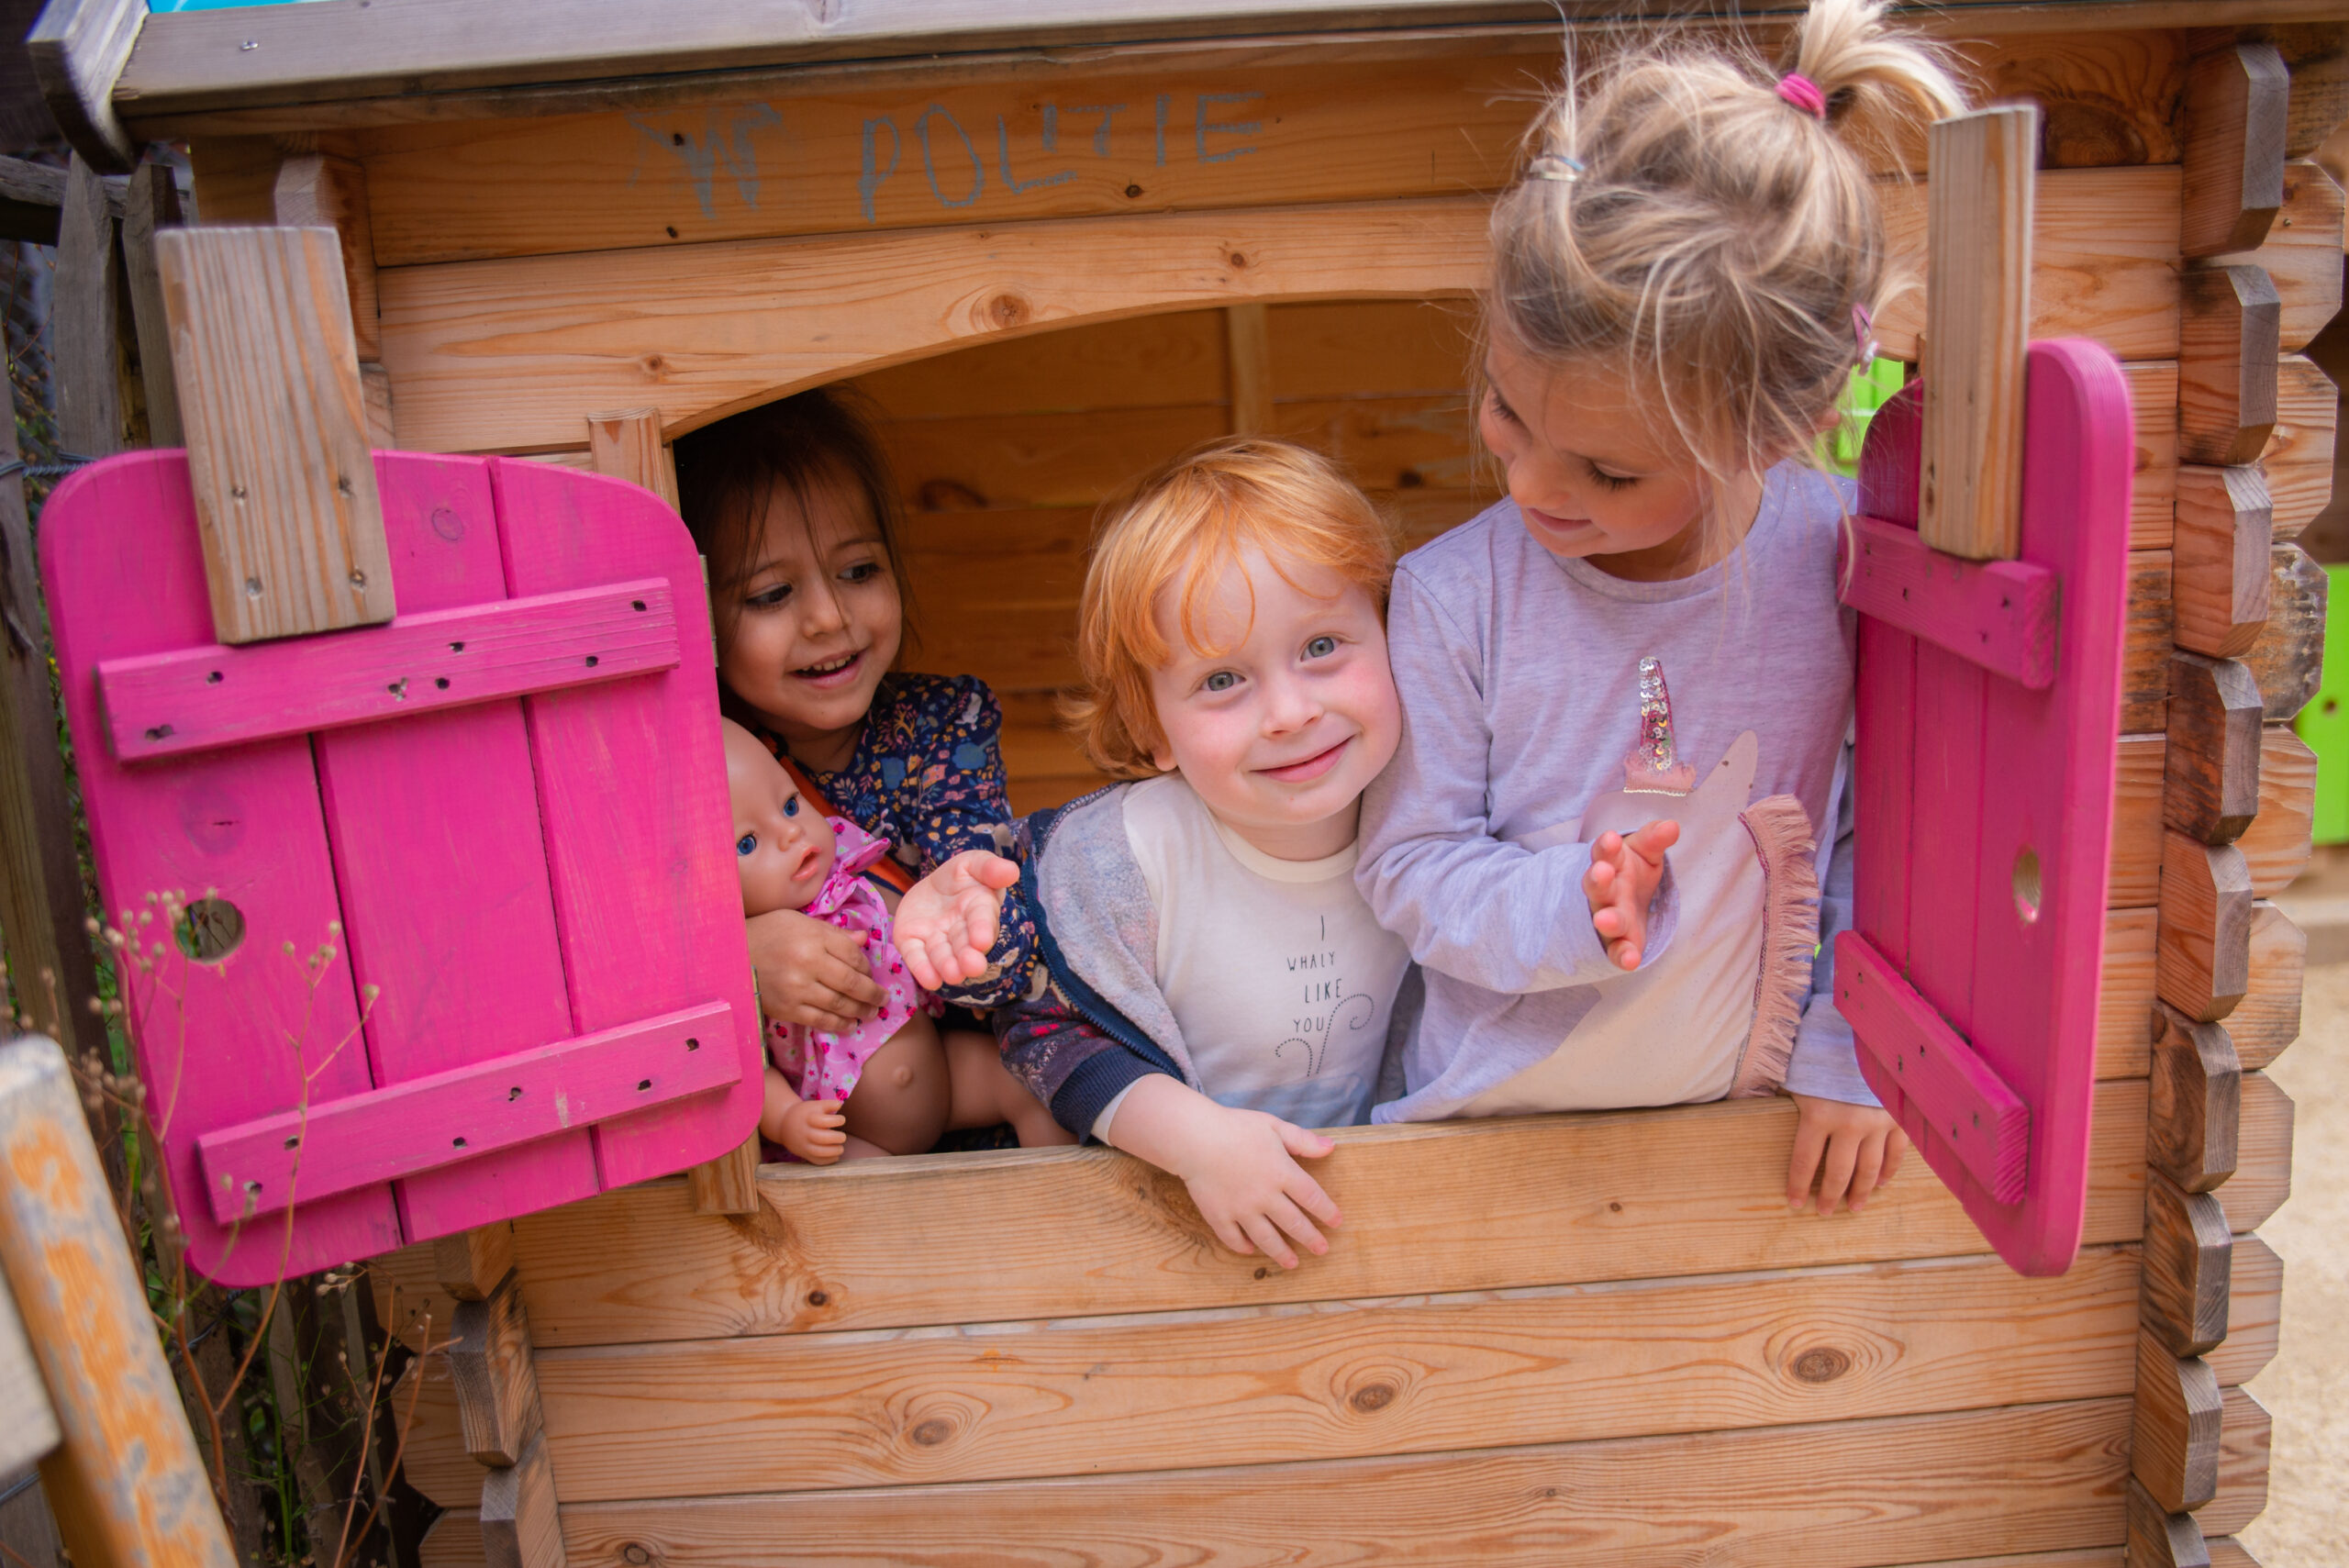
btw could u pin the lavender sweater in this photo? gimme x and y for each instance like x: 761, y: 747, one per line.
x: 1520, y: 676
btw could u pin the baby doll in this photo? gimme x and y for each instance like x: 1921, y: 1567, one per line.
x: 890, y: 1085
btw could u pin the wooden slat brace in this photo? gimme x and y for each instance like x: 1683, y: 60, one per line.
x: 78, y: 49
x: 1979, y: 201
x: 165, y: 704
x: 268, y: 375
x: 2001, y: 615
x: 1956, y: 1095
x: 425, y: 1124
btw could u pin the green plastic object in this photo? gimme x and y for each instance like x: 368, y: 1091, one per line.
x: 2324, y: 723
x: 1871, y: 386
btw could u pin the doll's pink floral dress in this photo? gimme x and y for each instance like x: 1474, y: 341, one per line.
x: 819, y: 1064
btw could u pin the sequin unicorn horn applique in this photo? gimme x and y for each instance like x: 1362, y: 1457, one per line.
x: 1653, y: 765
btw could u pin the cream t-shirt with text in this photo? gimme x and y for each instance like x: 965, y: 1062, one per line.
x: 1277, y: 974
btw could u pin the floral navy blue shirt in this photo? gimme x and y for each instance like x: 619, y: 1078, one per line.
x: 927, y: 776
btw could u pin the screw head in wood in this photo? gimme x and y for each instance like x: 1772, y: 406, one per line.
x: 358, y: 578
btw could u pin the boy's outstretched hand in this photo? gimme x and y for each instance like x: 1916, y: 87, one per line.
x: 1623, y: 876
x: 948, y: 920
x: 1851, y: 1150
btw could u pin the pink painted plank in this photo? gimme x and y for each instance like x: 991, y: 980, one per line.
x: 2053, y: 757
x: 2000, y: 615
x: 2011, y: 965
x: 1884, y: 692
x: 452, y: 1120
x: 632, y: 796
x: 438, y: 851
x: 1969, y: 1105
x: 123, y: 576
x: 168, y: 704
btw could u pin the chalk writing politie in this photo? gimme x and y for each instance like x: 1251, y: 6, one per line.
x: 952, y: 161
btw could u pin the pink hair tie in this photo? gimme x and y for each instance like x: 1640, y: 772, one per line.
x: 1803, y: 95
x: 1863, y: 334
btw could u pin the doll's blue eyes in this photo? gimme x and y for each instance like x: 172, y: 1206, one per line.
x: 746, y: 843
x: 791, y: 806
x: 1221, y: 681
x: 1321, y: 648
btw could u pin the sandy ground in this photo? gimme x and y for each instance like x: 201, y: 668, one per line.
x: 2307, y: 1385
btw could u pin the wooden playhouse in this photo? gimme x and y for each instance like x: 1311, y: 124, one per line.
x: 1054, y: 242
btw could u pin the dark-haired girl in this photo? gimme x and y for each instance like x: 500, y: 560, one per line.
x: 792, y: 507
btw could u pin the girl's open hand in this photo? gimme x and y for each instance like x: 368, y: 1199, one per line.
x: 811, y: 974
x: 1623, y: 876
x: 1853, y: 1149
x: 947, y: 921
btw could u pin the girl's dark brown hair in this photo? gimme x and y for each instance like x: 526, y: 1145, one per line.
x: 728, y: 473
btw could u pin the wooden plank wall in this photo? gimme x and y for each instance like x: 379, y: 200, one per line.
x: 1570, y: 1339
x: 1003, y: 453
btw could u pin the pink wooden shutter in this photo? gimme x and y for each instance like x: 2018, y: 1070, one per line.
x: 511, y: 800
x: 1988, y: 718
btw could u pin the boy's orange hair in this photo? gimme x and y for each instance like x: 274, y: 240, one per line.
x: 1186, y: 521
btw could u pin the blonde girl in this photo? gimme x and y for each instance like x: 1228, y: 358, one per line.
x: 1636, y: 665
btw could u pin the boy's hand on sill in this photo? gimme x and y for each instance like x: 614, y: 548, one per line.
x: 811, y: 974
x: 1240, y: 1166
x: 948, y: 921
x: 1851, y: 1150
x: 1623, y: 876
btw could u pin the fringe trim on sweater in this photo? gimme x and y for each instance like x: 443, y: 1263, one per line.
x: 1780, y: 828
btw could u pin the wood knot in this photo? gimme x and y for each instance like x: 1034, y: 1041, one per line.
x: 1822, y: 1365
x: 1132, y: 191
x: 1372, y: 1397
x: 932, y: 1432
x: 633, y: 1553
x: 654, y: 367
x: 1007, y: 310
x: 819, y: 1298
x: 1237, y: 259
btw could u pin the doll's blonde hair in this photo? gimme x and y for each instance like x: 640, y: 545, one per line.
x: 1183, y: 525
x: 1681, y: 217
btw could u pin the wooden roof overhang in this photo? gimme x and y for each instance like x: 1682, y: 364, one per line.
x: 117, y: 75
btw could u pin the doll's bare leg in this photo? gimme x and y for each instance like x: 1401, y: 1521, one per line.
x: 986, y: 1094
x: 899, y: 1102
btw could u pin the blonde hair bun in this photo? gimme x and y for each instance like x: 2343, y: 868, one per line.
x: 1709, y: 233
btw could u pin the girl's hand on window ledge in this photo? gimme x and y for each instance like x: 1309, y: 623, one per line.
x: 1850, y: 1149
x: 947, y: 923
